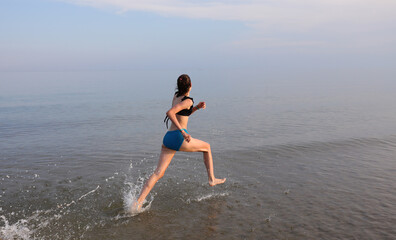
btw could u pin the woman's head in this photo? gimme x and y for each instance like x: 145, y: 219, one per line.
x: 183, y: 85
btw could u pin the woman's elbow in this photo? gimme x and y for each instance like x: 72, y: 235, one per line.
x: 169, y: 113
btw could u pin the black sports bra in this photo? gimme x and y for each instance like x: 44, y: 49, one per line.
x: 184, y: 112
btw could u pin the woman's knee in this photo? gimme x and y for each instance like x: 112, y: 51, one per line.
x: 206, y: 147
x: 158, y: 174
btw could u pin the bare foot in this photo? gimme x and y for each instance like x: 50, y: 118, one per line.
x: 217, y: 181
x: 135, y: 208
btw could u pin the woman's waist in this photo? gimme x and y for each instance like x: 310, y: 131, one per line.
x: 183, y: 121
x: 173, y: 127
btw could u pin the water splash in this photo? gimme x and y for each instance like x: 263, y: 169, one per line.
x: 58, y: 221
x: 206, y: 197
x: 133, y: 187
x: 269, y: 218
x: 18, y: 230
x: 130, y: 199
x: 28, y: 227
x: 88, y: 193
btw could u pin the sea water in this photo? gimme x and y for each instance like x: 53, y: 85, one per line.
x: 306, y: 156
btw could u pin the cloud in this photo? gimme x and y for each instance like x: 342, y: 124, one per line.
x: 264, y: 12
x: 267, y: 18
x: 274, y: 42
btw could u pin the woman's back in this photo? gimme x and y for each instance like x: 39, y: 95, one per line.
x: 183, y: 120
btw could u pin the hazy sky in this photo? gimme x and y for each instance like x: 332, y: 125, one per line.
x: 48, y: 35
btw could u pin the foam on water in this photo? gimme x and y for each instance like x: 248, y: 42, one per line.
x: 27, y: 227
x: 206, y: 197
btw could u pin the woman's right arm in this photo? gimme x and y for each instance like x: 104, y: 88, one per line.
x: 171, y: 113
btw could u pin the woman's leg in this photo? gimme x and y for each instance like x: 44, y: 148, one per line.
x: 163, y: 163
x: 196, y: 145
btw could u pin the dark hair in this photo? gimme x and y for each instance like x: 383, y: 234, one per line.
x: 183, y: 85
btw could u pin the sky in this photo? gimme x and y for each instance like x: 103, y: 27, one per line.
x: 90, y: 35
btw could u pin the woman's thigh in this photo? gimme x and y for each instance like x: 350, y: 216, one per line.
x: 164, y: 159
x: 195, y: 145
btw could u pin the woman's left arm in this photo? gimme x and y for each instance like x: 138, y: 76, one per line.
x: 201, y: 105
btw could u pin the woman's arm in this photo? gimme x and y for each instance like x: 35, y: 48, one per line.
x: 171, y: 113
x: 201, y: 105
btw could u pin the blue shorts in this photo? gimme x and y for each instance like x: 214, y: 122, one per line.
x: 174, y: 139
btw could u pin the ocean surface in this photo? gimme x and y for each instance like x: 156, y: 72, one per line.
x: 306, y: 156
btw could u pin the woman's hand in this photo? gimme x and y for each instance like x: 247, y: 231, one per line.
x: 186, y: 136
x: 201, y: 105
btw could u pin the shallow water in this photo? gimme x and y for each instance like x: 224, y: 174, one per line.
x: 302, y: 161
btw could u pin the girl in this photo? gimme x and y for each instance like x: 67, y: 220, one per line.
x: 178, y: 139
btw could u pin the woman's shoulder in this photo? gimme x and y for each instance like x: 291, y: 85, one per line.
x: 187, y: 97
x: 179, y: 99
